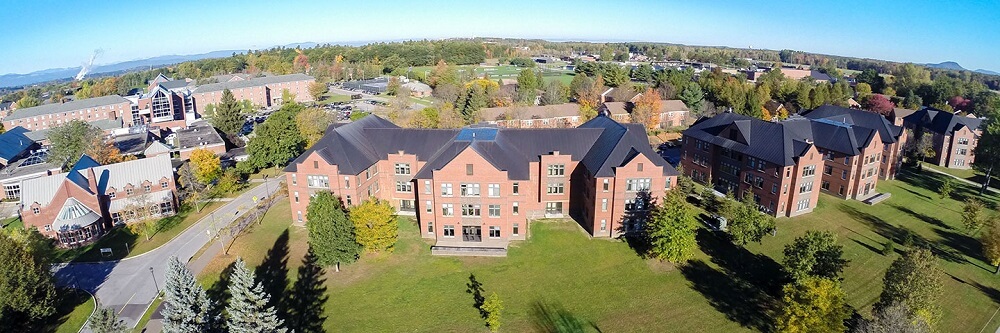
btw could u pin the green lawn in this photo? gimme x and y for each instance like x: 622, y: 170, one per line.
x: 72, y: 311
x: 124, y: 243
x: 967, y: 174
x: 604, y: 284
x: 331, y: 97
x: 13, y: 222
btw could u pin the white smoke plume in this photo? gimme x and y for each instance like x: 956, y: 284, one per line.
x: 86, y: 67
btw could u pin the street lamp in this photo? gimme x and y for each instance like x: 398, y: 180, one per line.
x: 154, y: 280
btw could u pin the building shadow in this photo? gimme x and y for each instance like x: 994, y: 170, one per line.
x: 759, y: 270
x: 273, y: 274
x: 553, y: 318
x: 475, y: 288
x: 308, y: 298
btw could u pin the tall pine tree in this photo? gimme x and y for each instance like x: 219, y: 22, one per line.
x: 248, y: 308
x: 105, y: 320
x: 186, y: 305
x: 331, y: 233
x: 228, y: 116
x: 671, y: 228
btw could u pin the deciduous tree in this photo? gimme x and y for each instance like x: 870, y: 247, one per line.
x: 815, y: 254
x: 278, y: 140
x: 894, y: 318
x: 746, y: 223
x: 206, y: 165
x: 493, y: 307
x: 312, y: 124
x: 987, y: 152
x: 812, y: 305
x: 375, y: 225
x: 863, y: 90
x: 70, y: 140
x: 991, y: 243
x: 647, y: 109
x: 248, y: 307
x: 331, y: 233
x: 27, y: 290
x: 947, y: 186
x: 527, y: 83
x: 186, y: 306
x: 973, y: 215
x: 28, y: 101
x: 317, y: 89
x: 914, y: 280
x: 879, y: 104
x: 671, y: 229
x: 555, y: 93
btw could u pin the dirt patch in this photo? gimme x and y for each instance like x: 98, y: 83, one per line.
x: 660, y: 267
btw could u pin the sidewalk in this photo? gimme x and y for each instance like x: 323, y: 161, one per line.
x: 155, y: 324
x: 977, y: 185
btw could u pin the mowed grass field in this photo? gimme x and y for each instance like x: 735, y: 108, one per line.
x: 605, y: 285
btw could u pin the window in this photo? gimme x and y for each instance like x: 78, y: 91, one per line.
x: 446, y: 190
x: 555, y: 188
x: 470, y: 210
x: 111, y: 193
x: 808, y: 171
x: 606, y: 184
x: 668, y: 183
x: 774, y: 188
x: 449, y: 231
x: 494, y: 190
x: 447, y: 210
x: 469, y: 190
x: 515, y: 191
x: 843, y: 174
x: 147, y: 188
x: 557, y: 169
x: 604, y: 225
x: 427, y: 186
x: 494, y: 210
x: 963, y: 141
x: 347, y: 182
x: 748, y: 178
x: 348, y: 200
x: 806, y: 187
x: 961, y: 151
x: 430, y: 227
x: 553, y: 208
x: 828, y: 156
x: 318, y: 181
x: 35, y: 210
x: 494, y: 232
x: 828, y: 170
x: 296, y: 196
x: 638, y: 184
x: 12, y: 191
x: 129, y: 191
x: 847, y: 160
x: 841, y: 190
x: 402, y: 168
x: 825, y: 185
x: 604, y: 205
x: 639, y: 167
x: 517, y: 228
x: 404, y: 186
x: 315, y: 164
x: 514, y: 208
x: 803, y: 204
x: 428, y: 206
x: 758, y: 182
x: 163, y: 184
x: 468, y: 169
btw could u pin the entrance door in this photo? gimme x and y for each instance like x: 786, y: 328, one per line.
x: 472, y: 234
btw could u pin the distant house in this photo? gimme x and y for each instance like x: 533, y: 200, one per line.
x: 619, y: 95
x: 543, y: 116
x: 954, y: 137
x: 673, y: 112
x: 418, y: 89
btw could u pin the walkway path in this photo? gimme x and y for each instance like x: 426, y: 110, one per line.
x: 977, y: 185
x: 130, y: 284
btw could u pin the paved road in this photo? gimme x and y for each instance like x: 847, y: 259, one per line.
x: 127, y: 285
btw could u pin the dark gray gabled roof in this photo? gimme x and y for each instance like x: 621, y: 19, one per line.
x: 356, y: 146
x: 941, y: 122
x: 772, y: 142
x: 888, y: 132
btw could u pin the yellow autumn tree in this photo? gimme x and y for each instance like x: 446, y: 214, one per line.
x: 375, y: 225
x: 812, y: 305
x: 312, y: 124
x: 647, y: 109
x: 590, y: 99
x: 206, y: 166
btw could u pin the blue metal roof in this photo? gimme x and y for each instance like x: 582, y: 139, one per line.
x: 13, y: 143
x: 477, y: 133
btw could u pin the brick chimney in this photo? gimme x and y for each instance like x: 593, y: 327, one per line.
x: 92, y: 180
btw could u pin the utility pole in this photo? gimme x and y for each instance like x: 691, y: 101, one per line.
x: 154, y: 280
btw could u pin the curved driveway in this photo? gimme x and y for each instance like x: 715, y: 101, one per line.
x: 128, y: 285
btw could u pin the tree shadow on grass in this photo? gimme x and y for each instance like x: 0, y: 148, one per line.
x: 951, y: 248
x: 961, y: 246
x: 740, y: 301
x: 475, y: 288
x: 273, y: 274
x: 869, y: 247
x: 308, y: 297
x: 758, y: 269
x: 219, y: 294
x: 553, y: 318
x: 923, y: 217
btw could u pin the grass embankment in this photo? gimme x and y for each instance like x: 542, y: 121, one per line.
x: 725, y: 288
x: 72, y: 311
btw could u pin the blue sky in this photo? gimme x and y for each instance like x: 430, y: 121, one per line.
x: 41, y: 34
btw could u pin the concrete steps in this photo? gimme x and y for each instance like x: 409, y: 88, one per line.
x: 468, y: 251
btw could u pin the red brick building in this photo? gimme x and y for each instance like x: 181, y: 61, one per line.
x: 482, y: 186
x: 954, y: 137
x: 893, y: 136
x: 672, y: 113
x: 565, y: 115
x: 263, y: 91
x: 77, y: 207
x: 43, y: 117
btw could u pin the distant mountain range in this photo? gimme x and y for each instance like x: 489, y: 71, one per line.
x: 56, y: 74
x: 955, y: 66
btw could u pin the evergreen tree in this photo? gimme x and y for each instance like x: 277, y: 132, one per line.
x: 527, y: 83
x: 692, y: 96
x: 186, y: 307
x: 228, y: 117
x: 105, y: 320
x: 248, y: 308
x: 671, y: 229
x: 331, y: 234
x: 815, y: 254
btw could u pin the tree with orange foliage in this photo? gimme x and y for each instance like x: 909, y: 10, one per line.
x: 301, y: 62
x: 104, y: 152
x: 647, y: 109
x: 590, y: 99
